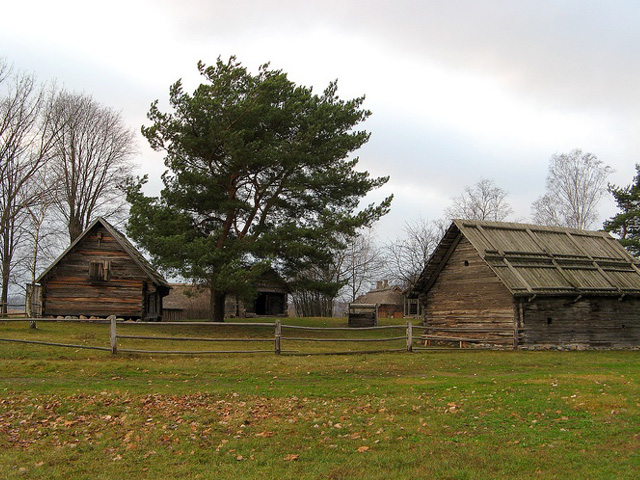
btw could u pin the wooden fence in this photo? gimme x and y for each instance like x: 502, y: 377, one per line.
x: 278, y: 339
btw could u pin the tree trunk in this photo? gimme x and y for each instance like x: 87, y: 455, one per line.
x: 216, y: 306
x: 75, y: 228
x: 4, y: 296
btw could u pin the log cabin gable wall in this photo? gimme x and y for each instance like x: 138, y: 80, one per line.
x: 468, y: 295
x: 96, y: 277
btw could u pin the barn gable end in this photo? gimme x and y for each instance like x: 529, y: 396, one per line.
x: 468, y: 301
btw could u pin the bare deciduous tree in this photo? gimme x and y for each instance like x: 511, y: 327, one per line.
x: 482, y: 201
x: 40, y: 236
x: 576, y: 182
x: 350, y: 270
x: 25, y: 143
x: 93, y: 158
x: 315, y: 289
x: 361, y: 264
x: 406, y: 257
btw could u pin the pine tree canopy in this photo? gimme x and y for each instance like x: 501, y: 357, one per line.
x: 626, y: 224
x: 258, y: 173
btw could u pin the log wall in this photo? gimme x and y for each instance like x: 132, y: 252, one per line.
x: 68, y: 290
x: 468, y: 301
x: 589, y: 321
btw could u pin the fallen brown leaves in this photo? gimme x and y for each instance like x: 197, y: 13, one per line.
x: 122, y: 425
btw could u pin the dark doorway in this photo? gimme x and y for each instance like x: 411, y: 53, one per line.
x: 270, y: 304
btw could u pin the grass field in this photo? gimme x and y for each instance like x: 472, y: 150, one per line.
x: 73, y: 413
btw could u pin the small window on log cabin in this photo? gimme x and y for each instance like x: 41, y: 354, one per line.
x: 99, y: 270
x: 466, y: 263
x: 549, y: 320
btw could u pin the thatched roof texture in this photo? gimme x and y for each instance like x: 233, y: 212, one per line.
x: 383, y: 294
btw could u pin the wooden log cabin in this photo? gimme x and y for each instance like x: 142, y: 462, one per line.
x: 102, y: 274
x: 522, y: 285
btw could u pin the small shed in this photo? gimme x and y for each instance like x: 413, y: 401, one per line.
x: 102, y: 274
x: 523, y: 285
x: 389, y: 299
x: 363, y: 315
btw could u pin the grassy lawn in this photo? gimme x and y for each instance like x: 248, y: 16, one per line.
x: 73, y: 413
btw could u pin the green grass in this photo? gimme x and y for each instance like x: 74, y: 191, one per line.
x: 73, y: 413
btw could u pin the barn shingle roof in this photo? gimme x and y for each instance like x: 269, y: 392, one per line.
x: 538, y: 260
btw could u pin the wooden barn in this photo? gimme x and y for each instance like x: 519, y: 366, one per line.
x: 102, y: 274
x: 525, y: 285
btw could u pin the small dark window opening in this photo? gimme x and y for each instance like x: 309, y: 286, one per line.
x: 413, y: 308
x: 549, y: 320
x: 466, y: 263
x: 622, y: 325
x: 99, y: 270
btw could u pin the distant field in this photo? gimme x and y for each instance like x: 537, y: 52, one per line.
x: 73, y: 413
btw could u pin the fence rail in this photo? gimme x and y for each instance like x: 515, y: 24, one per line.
x: 277, y: 338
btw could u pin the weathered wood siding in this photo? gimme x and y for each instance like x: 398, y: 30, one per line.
x: 68, y: 290
x: 589, y: 321
x: 390, y: 311
x: 362, y: 315
x: 468, y: 296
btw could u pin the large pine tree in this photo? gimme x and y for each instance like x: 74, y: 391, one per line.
x: 258, y: 173
x: 626, y: 224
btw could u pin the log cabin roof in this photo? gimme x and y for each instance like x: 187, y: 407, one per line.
x: 539, y: 260
x: 128, y: 247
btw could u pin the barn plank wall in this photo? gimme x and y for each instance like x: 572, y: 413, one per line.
x: 595, y: 321
x: 69, y: 291
x: 468, y: 296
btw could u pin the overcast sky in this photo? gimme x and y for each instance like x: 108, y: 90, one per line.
x: 459, y: 89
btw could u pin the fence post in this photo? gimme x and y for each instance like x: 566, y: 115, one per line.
x: 113, y: 335
x: 278, y: 336
x: 409, y: 336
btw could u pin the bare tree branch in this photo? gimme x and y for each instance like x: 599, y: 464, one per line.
x: 24, y: 149
x: 576, y: 183
x: 93, y: 158
x: 406, y: 257
x: 482, y: 201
